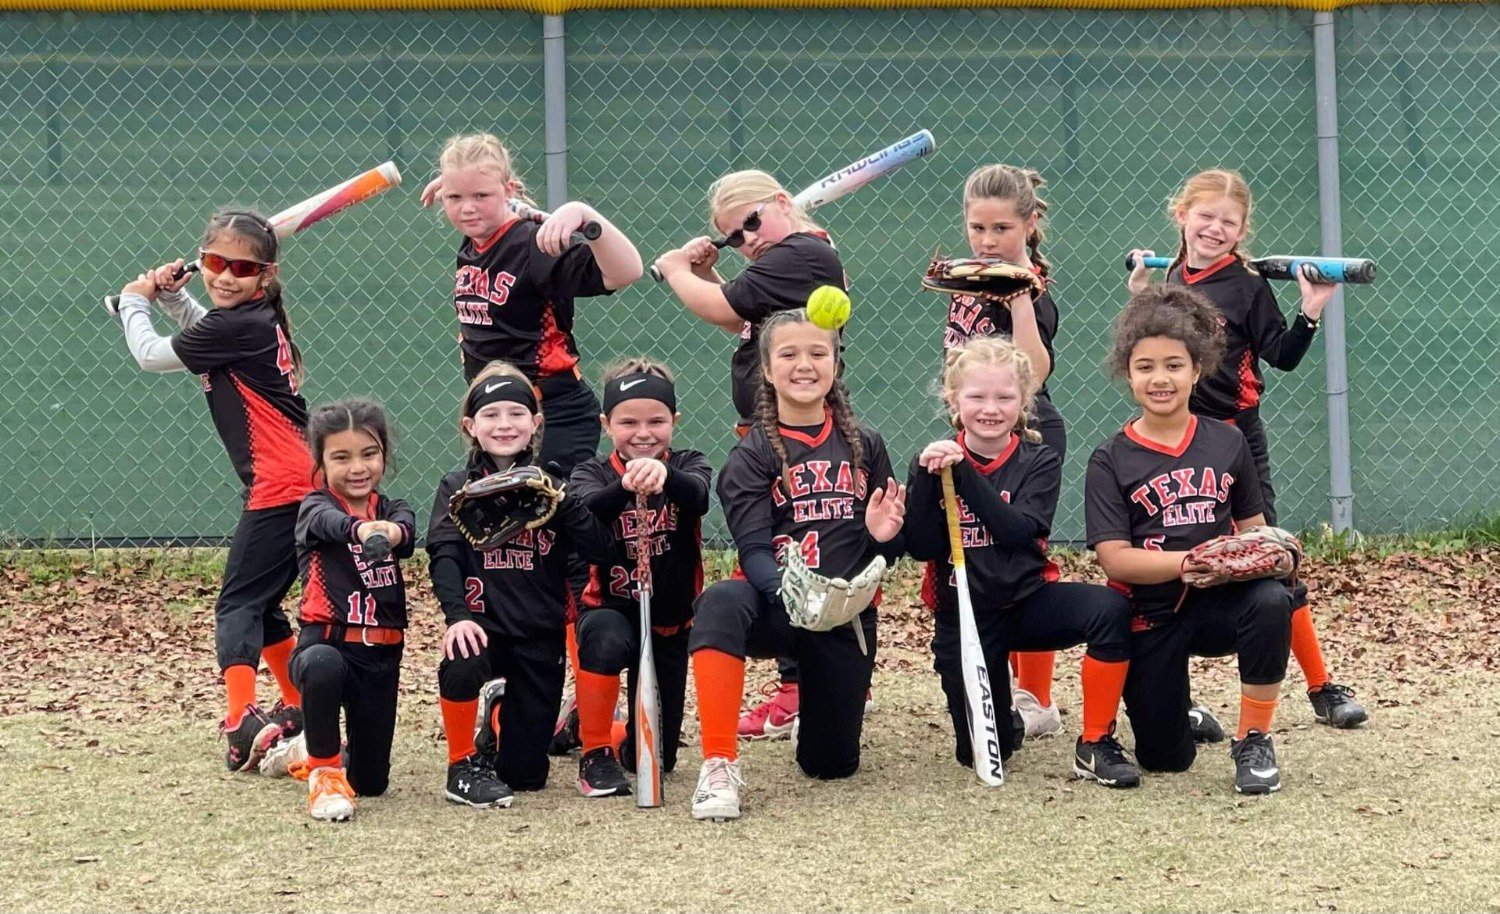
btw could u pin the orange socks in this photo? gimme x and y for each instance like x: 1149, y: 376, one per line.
x: 313, y: 764
x: 597, y: 695
x: 720, y: 678
x: 1103, y: 684
x: 1306, y: 649
x: 458, y: 727
x: 278, y: 657
x: 573, y: 648
x: 1034, y: 674
x: 1255, y: 715
x: 239, y: 682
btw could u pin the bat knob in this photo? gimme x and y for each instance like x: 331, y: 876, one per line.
x: 591, y: 231
x: 656, y: 273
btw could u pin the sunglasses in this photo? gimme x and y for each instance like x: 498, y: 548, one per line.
x: 239, y: 269
x: 736, y: 238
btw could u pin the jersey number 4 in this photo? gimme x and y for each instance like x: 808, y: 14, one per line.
x: 361, y: 612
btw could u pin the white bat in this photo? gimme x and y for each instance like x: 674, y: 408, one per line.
x: 855, y: 175
x: 647, y: 710
x: 984, y: 730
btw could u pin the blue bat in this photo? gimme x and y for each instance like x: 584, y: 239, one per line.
x: 1326, y: 269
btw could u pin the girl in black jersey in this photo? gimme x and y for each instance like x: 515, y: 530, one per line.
x: 1212, y: 211
x: 1166, y: 483
x: 350, y: 541
x: 1003, y: 217
x: 505, y: 607
x: 807, y: 476
x: 1007, y: 483
x: 516, y: 282
x: 640, y: 414
x: 789, y: 256
x: 249, y: 368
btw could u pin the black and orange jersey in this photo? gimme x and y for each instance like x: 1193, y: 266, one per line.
x: 823, y: 513
x: 674, y: 522
x: 245, y: 363
x: 1254, y: 330
x: 338, y: 585
x: 1169, y: 498
x: 780, y: 280
x: 520, y: 588
x: 1018, y: 491
x: 516, y: 303
x: 970, y: 317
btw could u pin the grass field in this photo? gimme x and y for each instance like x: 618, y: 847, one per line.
x: 116, y: 797
x: 111, y: 158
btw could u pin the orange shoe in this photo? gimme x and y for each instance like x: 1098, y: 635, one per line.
x: 329, y: 796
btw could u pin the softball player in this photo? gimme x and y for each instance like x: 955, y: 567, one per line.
x: 352, y: 615
x: 806, y: 477
x: 242, y: 349
x: 1007, y: 483
x: 505, y: 607
x: 640, y: 413
x: 1212, y: 212
x: 516, y: 282
x: 790, y: 255
x: 1166, y: 483
x: 1003, y: 216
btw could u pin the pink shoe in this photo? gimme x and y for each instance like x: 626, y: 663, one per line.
x: 774, y: 717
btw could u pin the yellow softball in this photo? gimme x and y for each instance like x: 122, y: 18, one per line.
x: 828, y: 307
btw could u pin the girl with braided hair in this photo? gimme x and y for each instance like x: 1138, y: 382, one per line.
x: 806, y: 476
x: 1007, y: 483
x: 1212, y: 212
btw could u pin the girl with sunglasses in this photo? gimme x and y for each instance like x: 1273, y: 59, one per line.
x: 790, y: 256
x: 250, y: 370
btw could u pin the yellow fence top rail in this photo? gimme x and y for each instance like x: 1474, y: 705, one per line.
x: 563, y: 6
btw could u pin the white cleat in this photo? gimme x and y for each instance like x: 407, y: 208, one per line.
x: 283, y: 756
x: 1040, y: 721
x: 718, y: 794
x: 329, y: 796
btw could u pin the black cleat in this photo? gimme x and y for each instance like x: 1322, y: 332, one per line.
x: 486, y: 736
x: 1205, y: 727
x: 1255, y: 770
x: 288, y: 718
x: 600, y: 774
x: 1017, y: 729
x: 250, y: 739
x: 1104, y: 761
x: 475, y: 784
x: 1335, y: 706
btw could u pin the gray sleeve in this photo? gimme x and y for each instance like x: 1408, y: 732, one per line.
x: 181, y: 307
x: 152, y: 351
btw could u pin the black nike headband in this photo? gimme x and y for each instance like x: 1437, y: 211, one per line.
x: 498, y: 389
x: 640, y: 386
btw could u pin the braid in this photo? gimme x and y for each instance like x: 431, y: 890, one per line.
x: 843, y: 418
x: 769, y: 418
x: 1024, y: 429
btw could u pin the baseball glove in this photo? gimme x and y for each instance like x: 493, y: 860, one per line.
x: 494, y: 509
x: 996, y: 281
x: 1259, y: 552
x: 376, y: 548
x: 821, y: 604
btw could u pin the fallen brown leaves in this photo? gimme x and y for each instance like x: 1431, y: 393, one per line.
x: 110, y: 641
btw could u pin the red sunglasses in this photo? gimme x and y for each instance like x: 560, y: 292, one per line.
x: 239, y: 269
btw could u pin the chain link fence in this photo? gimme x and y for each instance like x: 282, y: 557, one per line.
x: 120, y: 133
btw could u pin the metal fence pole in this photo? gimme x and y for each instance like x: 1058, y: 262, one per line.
x: 555, y: 103
x: 1340, y: 474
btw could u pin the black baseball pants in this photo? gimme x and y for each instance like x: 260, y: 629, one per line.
x: 609, y: 642
x: 363, y: 681
x: 260, y: 569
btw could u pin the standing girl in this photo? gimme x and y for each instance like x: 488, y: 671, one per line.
x: 1007, y: 483
x: 505, y: 607
x: 790, y: 255
x: 807, y: 476
x: 640, y: 414
x: 242, y: 348
x: 350, y: 540
x: 1003, y: 216
x: 1166, y: 483
x: 1212, y: 212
